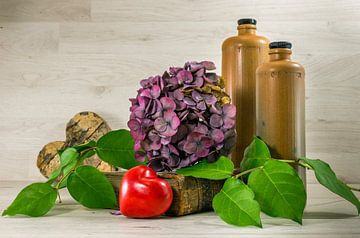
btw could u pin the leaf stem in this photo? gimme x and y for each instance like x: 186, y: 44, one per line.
x: 64, y: 177
x: 86, y: 150
x: 296, y: 162
x: 60, y: 201
x: 247, y: 171
x: 354, y: 189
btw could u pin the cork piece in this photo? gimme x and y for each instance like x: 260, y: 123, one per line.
x: 190, y: 195
x: 83, y: 127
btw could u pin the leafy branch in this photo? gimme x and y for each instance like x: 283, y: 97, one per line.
x: 86, y: 184
x: 262, y: 184
x: 273, y: 185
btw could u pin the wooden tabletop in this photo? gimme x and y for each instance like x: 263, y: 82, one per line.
x: 326, y: 215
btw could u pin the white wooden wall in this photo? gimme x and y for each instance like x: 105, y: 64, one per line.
x: 58, y: 58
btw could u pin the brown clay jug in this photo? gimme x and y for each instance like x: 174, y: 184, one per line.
x: 280, y: 99
x: 241, y: 55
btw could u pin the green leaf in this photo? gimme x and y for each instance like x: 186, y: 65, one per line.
x: 255, y: 155
x: 87, y: 154
x: 66, y: 170
x: 56, y: 173
x: 279, y: 190
x: 235, y: 204
x: 221, y: 169
x: 71, y: 166
x: 68, y: 156
x: 34, y: 200
x: 88, y: 145
x: 117, y: 149
x: 81, y: 147
x: 91, y: 188
x: 326, y: 176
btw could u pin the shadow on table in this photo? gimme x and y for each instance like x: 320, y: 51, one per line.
x: 59, y: 209
x: 327, y: 215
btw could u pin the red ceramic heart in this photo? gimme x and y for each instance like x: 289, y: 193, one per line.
x: 143, y: 194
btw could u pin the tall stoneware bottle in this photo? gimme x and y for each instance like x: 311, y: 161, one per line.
x: 280, y: 111
x: 241, y: 55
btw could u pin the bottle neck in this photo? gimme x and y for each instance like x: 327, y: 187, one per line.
x: 246, y: 29
x: 280, y: 54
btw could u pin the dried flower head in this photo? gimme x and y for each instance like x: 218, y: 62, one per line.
x: 182, y: 117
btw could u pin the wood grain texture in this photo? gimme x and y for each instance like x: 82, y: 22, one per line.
x: 62, y: 57
x: 203, y: 10
x: 325, y: 216
x: 44, y: 10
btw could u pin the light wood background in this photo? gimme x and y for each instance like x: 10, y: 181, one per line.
x: 58, y: 58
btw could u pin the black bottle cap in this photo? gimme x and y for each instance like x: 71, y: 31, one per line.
x: 280, y: 44
x: 246, y: 21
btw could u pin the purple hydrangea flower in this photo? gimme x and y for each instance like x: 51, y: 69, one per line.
x: 167, y: 124
x: 198, y: 144
x: 223, y: 116
x: 175, y: 123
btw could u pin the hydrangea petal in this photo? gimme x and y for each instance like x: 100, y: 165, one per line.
x: 201, y: 106
x: 160, y: 124
x: 199, y: 81
x: 184, y: 76
x: 208, y: 65
x: 202, y: 152
x: 209, y: 99
x: 175, y: 122
x: 180, y: 106
x: 184, y: 162
x: 155, y: 91
x: 207, y: 142
x: 153, y: 135
x: 196, y: 96
x: 193, y: 158
x: 189, y: 101
x: 178, y: 95
x: 201, y: 128
x: 137, y: 145
x: 156, y: 164
x: 169, y: 132
x: 155, y: 145
x: 134, y: 124
x: 165, y: 140
x: 217, y: 135
x: 200, y: 72
x: 228, y: 123
x: 216, y: 120
x: 229, y: 110
x: 140, y: 156
x: 173, y: 149
x: 190, y: 147
x: 211, y: 77
x: 173, y: 161
x: 167, y: 103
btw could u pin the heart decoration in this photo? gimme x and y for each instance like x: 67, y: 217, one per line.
x: 143, y: 194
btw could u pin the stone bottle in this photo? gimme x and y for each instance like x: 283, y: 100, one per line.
x: 280, y: 99
x: 241, y: 55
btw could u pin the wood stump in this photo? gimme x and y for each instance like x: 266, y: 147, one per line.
x: 190, y: 195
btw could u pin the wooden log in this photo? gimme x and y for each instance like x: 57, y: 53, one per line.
x: 190, y: 195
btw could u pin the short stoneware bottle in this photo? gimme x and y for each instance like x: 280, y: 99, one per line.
x: 241, y: 55
x: 280, y: 100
